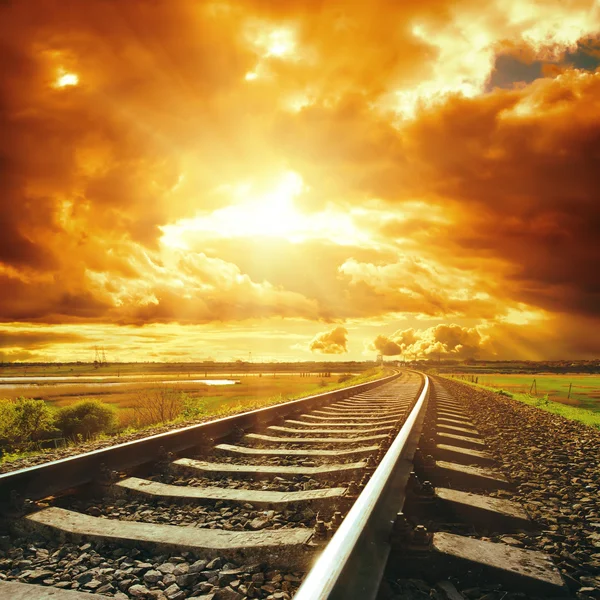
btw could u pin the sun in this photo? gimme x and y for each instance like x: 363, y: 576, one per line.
x: 274, y: 213
x: 280, y: 42
x: 273, y: 41
x: 253, y: 213
x: 66, y: 79
x: 257, y: 212
x: 271, y: 213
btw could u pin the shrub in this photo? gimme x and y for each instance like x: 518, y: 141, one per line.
x: 6, y: 418
x: 86, y: 419
x: 157, y: 405
x: 193, y: 408
x: 344, y: 377
x: 23, y: 421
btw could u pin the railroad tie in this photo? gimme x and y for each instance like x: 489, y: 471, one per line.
x: 342, y: 418
x: 484, y: 510
x: 332, y: 412
x: 270, y: 439
x: 527, y: 570
x: 323, y: 431
x: 284, y: 548
x: 368, y: 405
x: 294, y: 451
x: 333, y: 424
x: 464, y: 422
x: 450, y: 414
x: 232, y: 470
x: 460, y: 455
x: 260, y: 498
x: 459, y: 430
x: 461, y: 440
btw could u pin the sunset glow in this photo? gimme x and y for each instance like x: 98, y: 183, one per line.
x: 272, y: 214
x: 275, y: 41
x: 66, y: 79
x: 336, y: 180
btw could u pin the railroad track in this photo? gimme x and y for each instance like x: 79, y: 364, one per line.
x: 332, y: 486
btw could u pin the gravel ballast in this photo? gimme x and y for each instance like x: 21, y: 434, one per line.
x: 555, y: 465
x: 212, y: 515
x: 126, y: 573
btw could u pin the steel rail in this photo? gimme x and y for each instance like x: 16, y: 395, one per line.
x: 352, y: 564
x: 40, y: 481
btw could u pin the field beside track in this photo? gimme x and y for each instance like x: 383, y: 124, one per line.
x: 251, y: 390
x: 147, y: 406
x: 585, y: 389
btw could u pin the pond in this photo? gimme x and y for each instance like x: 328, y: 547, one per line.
x: 27, y: 382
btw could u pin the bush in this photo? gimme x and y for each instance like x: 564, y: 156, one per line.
x: 158, y: 405
x: 193, y: 408
x: 85, y: 419
x: 23, y: 421
x: 6, y: 419
x: 344, y: 377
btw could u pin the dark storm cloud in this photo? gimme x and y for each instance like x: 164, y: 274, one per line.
x: 518, y: 172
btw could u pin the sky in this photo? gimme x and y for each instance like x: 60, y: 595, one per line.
x: 262, y: 180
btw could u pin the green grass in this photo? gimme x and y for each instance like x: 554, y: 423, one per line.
x: 585, y: 389
x: 586, y: 416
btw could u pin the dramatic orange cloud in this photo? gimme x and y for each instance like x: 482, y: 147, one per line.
x: 413, y: 177
x: 447, y: 340
x: 331, y: 342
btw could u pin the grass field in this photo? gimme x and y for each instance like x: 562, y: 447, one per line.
x: 252, y: 391
x: 586, y: 410
x: 143, y: 402
x: 585, y: 389
x: 550, y: 392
